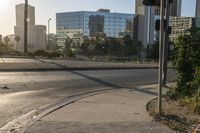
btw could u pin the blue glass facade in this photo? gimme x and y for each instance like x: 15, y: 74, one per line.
x: 114, y: 23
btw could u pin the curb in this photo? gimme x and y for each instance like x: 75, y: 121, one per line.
x: 45, y: 110
x: 72, y: 69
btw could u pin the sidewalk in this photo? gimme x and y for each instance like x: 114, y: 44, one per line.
x: 120, y: 111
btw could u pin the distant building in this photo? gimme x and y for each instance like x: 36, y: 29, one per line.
x: 146, y: 17
x: 96, y: 24
x: 20, y: 15
x: 180, y: 25
x: 36, y: 33
x: 175, y: 8
x: 197, y: 13
x: 197, y: 22
x: 89, y: 23
x: 36, y: 37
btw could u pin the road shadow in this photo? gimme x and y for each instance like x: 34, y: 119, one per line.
x: 109, y: 84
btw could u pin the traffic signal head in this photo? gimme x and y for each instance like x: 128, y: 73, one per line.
x: 157, y: 25
x: 151, y: 2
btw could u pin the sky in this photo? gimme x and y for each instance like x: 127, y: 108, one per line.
x: 45, y: 9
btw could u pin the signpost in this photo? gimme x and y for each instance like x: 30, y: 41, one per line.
x: 162, y: 25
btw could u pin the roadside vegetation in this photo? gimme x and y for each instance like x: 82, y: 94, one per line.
x: 181, y: 105
x: 6, y: 47
x: 187, y: 64
x: 125, y: 46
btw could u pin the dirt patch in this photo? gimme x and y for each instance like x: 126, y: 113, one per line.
x: 176, y: 116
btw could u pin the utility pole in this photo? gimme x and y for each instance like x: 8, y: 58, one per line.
x: 162, y: 26
x: 161, y: 49
x: 165, y: 54
x: 26, y: 27
x: 48, y: 32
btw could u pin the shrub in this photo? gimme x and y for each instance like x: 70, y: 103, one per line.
x: 53, y: 54
x: 40, y: 53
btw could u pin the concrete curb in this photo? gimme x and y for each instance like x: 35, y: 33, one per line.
x: 35, y: 115
x: 60, y: 105
x: 72, y: 69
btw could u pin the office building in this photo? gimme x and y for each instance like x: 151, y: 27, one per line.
x: 96, y: 25
x: 197, y: 13
x: 180, y: 25
x: 90, y: 23
x: 175, y: 8
x: 197, y: 22
x: 20, y: 15
x: 36, y: 33
x: 146, y: 17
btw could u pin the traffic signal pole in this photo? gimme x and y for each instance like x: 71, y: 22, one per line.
x: 165, y: 54
x: 161, y: 49
x: 162, y: 26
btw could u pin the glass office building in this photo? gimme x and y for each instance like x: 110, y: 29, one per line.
x: 86, y: 23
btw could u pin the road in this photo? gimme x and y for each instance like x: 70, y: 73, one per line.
x: 22, y: 92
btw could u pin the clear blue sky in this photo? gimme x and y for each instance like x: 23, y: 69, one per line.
x: 48, y: 8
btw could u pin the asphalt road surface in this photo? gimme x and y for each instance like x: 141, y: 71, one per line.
x: 22, y: 92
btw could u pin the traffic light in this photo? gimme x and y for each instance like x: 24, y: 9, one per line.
x: 151, y: 2
x: 157, y: 25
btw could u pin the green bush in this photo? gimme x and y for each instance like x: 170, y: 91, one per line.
x: 40, y: 53
x: 47, y: 54
x: 70, y: 53
x: 186, y: 58
x: 187, y: 63
x: 53, y: 54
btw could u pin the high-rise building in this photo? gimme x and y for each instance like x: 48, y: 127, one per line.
x: 88, y: 23
x: 180, y: 25
x: 20, y: 15
x: 197, y: 14
x: 96, y: 24
x: 175, y: 8
x: 36, y: 33
x: 146, y: 16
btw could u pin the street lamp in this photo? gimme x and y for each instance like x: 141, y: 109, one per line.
x: 48, y: 31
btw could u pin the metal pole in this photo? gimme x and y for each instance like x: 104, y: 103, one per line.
x: 160, y: 56
x: 48, y: 32
x: 165, y: 54
x: 26, y: 27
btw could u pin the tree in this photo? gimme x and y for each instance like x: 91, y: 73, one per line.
x: 113, y: 46
x: 154, y: 51
x: 1, y: 38
x: 85, y: 46
x: 139, y: 48
x: 17, y: 39
x: 186, y: 60
x: 68, y: 47
x: 6, y: 40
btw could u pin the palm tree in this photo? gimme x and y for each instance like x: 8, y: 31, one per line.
x: 6, y: 40
x: 17, y: 39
